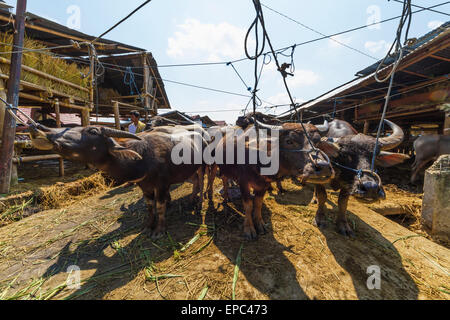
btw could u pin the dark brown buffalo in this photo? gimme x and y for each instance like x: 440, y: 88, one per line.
x: 144, y: 159
x: 352, y: 153
x: 248, y: 119
x: 428, y: 148
x: 293, y: 161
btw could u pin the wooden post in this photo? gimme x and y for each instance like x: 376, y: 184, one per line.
x: 85, y: 121
x: 2, y: 105
x: 58, y: 125
x: 446, y: 129
x: 154, y: 107
x: 146, y: 85
x: 9, y: 126
x: 116, y: 114
x: 366, y: 127
x: 57, y: 114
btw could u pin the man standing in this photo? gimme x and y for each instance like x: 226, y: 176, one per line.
x: 136, y: 126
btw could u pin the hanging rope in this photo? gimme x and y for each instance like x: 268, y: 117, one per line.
x: 260, y: 17
x: 405, y: 19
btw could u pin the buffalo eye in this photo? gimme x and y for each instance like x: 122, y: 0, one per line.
x: 289, y: 141
x: 94, y: 131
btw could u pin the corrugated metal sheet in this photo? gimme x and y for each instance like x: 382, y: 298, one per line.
x: 407, y: 50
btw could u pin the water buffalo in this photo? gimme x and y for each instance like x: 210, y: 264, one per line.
x: 428, y: 148
x: 144, y: 159
x: 248, y: 119
x: 296, y: 158
x: 351, y: 156
x: 336, y: 129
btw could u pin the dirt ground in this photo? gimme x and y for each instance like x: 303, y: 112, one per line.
x: 103, y: 236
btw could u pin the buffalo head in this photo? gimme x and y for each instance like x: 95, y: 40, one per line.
x: 352, y: 155
x: 92, y: 144
x: 298, y: 157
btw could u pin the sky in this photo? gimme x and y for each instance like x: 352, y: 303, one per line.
x: 198, y: 31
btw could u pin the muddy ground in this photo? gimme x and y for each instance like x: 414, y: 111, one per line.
x: 103, y: 235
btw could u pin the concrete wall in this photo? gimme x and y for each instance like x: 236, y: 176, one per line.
x: 436, y: 198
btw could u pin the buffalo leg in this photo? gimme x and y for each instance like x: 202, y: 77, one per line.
x: 341, y: 221
x: 201, y: 186
x: 225, y: 189
x: 151, y: 206
x: 321, y: 195
x: 160, y: 208
x: 417, y: 166
x: 257, y: 214
x: 211, y: 173
x: 247, y: 201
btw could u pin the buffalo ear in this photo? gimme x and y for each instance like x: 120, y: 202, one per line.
x: 389, y: 159
x: 330, y: 147
x: 120, y: 152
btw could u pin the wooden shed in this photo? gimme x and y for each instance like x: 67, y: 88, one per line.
x: 420, y: 90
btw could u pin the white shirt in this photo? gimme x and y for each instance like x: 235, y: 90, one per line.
x: 132, y: 128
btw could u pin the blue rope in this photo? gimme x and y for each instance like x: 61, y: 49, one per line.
x: 129, y: 80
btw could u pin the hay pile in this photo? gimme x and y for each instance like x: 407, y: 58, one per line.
x: 55, y: 196
x: 48, y: 63
x: 64, y: 194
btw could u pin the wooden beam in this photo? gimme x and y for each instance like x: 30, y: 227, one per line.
x: 9, y: 125
x: 85, y: 121
x: 116, y: 114
x: 439, y: 58
x: 416, y: 74
x: 46, y: 75
x: 57, y: 114
x: 46, y: 101
x: 63, y: 35
x: 446, y: 128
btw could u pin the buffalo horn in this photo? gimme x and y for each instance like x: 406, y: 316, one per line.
x: 392, y: 141
x: 268, y: 126
x: 114, y: 133
x: 323, y: 127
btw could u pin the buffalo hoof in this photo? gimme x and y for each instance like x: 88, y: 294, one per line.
x: 156, y: 234
x: 250, y: 234
x: 320, y: 221
x: 261, y: 228
x: 344, y: 229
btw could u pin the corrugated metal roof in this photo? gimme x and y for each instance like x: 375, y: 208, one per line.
x: 407, y: 49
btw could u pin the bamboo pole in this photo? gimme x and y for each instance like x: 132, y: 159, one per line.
x: 57, y: 114
x: 446, y: 129
x: 366, y: 127
x: 9, y: 127
x: 46, y: 75
x: 2, y: 105
x: 42, y: 100
x: 85, y: 121
x: 36, y: 87
x: 116, y: 114
x: 58, y: 125
x: 19, y: 160
x: 146, y: 85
